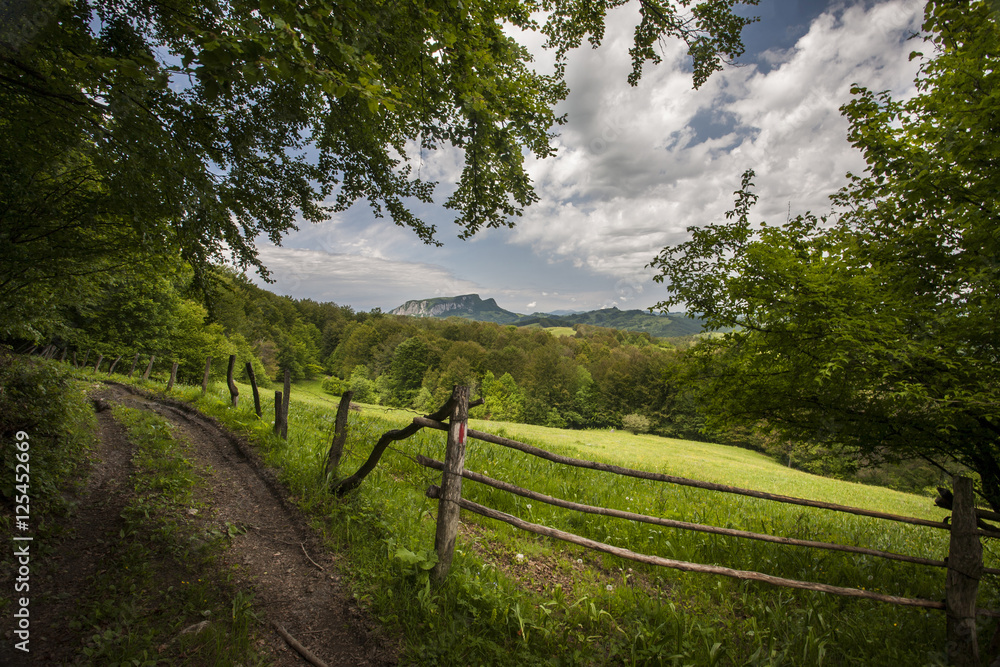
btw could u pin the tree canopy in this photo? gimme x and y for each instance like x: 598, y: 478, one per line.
x: 876, y: 328
x: 134, y: 130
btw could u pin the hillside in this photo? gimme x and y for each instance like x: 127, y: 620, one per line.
x: 471, y: 306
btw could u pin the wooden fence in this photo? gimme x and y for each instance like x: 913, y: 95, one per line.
x: 281, y: 399
x: 964, y: 563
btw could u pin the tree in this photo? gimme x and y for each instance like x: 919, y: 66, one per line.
x: 409, y: 363
x: 191, y: 127
x: 874, y: 329
x: 503, y: 398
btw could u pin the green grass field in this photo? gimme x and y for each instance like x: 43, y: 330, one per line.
x: 516, y: 598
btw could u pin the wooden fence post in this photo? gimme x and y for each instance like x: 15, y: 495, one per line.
x: 278, y: 408
x: 204, y: 380
x: 253, y: 386
x: 284, y: 404
x: 135, y: 360
x: 339, y: 432
x: 149, y: 367
x: 114, y: 363
x: 965, y: 567
x: 62, y: 357
x: 83, y: 364
x: 234, y: 392
x: 451, y: 484
x: 173, y: 376
x: 100, y: 359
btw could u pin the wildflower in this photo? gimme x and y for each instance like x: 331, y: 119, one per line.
x: 520, y: 558
x: 610, y: 587
x: 579, y: 561
x: 529, y: 506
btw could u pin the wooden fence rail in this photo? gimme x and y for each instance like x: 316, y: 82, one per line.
x: 685, y: 525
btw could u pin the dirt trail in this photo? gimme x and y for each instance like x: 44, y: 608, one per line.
x: 62, y: 577
x: 279, y: 557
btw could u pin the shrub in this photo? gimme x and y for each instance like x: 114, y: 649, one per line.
x: 635, y: 423
x: 334, y: 385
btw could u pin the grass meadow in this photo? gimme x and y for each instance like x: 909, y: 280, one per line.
x: 514, y: 598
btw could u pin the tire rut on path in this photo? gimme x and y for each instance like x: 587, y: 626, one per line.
x: 62, y: 575
x: 278, y: 556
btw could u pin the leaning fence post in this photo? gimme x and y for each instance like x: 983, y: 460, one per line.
x: 114, y: 363
x: 339, y: 432
x: 965, y: 567
x: 204, y: 380
x: 173, y: 376
x: 149, y: 367
x: 234, y: 392
x: 451, y: 484
x: 100, y: 359
x: 277, y: 412
x: 135, y: 360
x: 284, y: 404
x: 253, y: 386
x: 83, y: 364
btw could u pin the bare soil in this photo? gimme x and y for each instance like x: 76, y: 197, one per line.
x: 294, y: 579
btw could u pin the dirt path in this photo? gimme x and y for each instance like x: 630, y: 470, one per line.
x: 279, y: 557
x: 62, y: 579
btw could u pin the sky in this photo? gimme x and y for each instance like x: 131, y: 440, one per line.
x: 635, y: 167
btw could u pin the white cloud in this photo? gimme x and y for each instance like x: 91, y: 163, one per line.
x: 634, y: 169
x: 364, y: 282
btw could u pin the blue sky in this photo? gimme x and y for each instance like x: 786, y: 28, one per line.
x: 635, y: 167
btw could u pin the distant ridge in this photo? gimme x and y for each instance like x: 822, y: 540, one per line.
x: 469, y: 306
x: 472, y: 307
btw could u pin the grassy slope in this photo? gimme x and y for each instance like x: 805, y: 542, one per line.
x: 685, y: 458
x: 549, y: 607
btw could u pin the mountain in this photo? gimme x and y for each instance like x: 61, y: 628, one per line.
x: 472, y: 307
x: 469, y: 306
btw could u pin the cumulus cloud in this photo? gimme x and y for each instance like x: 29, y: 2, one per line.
x: 637, y: 166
